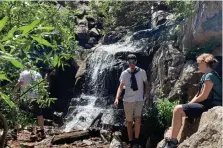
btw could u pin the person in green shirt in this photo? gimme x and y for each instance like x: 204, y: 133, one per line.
x: 208, y: 96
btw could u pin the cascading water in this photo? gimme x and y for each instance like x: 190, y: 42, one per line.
x: 99, y: 80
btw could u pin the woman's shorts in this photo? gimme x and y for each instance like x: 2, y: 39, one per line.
x: 194, y: 109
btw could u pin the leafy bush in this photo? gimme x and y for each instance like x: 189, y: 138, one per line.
x: 132, y: 14
x: 182, y: 8
x: 37, y: 31
x: 157, y: 118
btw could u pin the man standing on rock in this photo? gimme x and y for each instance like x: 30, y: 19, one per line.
x: 133, y: 79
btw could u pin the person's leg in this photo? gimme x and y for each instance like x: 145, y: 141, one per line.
x: 128, y: 108
x: 40, y: 122
x: 138, y: 113
x: 189, y: 110
x: 178, y: 114
x: 129, y: 129
x: 38, y: 112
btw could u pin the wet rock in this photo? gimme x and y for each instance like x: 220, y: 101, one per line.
x: 48, y: 122
x: 95, y: 33
x: 91, y: 22
x: 87, y: 46
x: 88, y: 142
x: 114, y: 36
x: 58, y: 114
x: 116, y: 141
x: 105, y: 135
x: 149, y: 32
x: 82, y: 32
x: 82, y: 119
x: 159, y: 17
x: 92, y: 41
x: 80, y: 77
x: 58, y: 117
x: 99, y: 23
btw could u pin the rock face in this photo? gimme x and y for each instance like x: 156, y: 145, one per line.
x: 166, y: 67
x: 114, y: 36
x: 88, y: 28
x: 209, y: 134
x: 206, y: 25
x: 204, y: 132
x: 61, y: 85
x: 186, y: 83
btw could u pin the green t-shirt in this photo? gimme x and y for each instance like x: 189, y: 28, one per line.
x: 215, y: 95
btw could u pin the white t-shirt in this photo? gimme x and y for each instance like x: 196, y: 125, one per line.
x: 28, y: 77
x: 130, y: 95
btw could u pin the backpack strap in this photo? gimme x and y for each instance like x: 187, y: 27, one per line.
x: 200, y: 84
x: 216, y: 74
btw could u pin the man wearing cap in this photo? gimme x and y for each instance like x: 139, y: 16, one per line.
x: 133, y: 79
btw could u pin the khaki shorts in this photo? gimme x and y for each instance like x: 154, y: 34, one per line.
x: 133, y: 107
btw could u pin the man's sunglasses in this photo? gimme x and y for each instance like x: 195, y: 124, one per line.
x: 132, y: 62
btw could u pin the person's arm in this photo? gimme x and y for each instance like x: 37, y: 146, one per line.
x: 119, y: 92
x: 204, y: 94
x: 120, y: 89
x: 18, y: 85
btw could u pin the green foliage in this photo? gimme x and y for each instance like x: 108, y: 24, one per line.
x: 36, y: 30
x: 122, y: 13
x: 165, y: 109
x: 162, y: 110
x: 158, y: 117
x: 182, y: 8
x: 29, y: 26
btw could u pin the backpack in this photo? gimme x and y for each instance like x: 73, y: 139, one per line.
x: 212, y: 90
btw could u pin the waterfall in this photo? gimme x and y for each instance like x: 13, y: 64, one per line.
x: 101, y: 76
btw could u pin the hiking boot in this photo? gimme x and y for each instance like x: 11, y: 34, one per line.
x: 170, y: 143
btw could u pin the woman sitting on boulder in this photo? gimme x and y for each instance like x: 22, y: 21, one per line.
x: 208, y: 96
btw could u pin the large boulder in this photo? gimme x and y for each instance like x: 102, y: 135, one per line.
x: 166, y: 68
x: 186, y: 85
x: 205, y: 26
x: 114, y: 36
x: 95, y: 33
x: 83, y: 32
x: 80, y: 77
x: 204, y: 132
